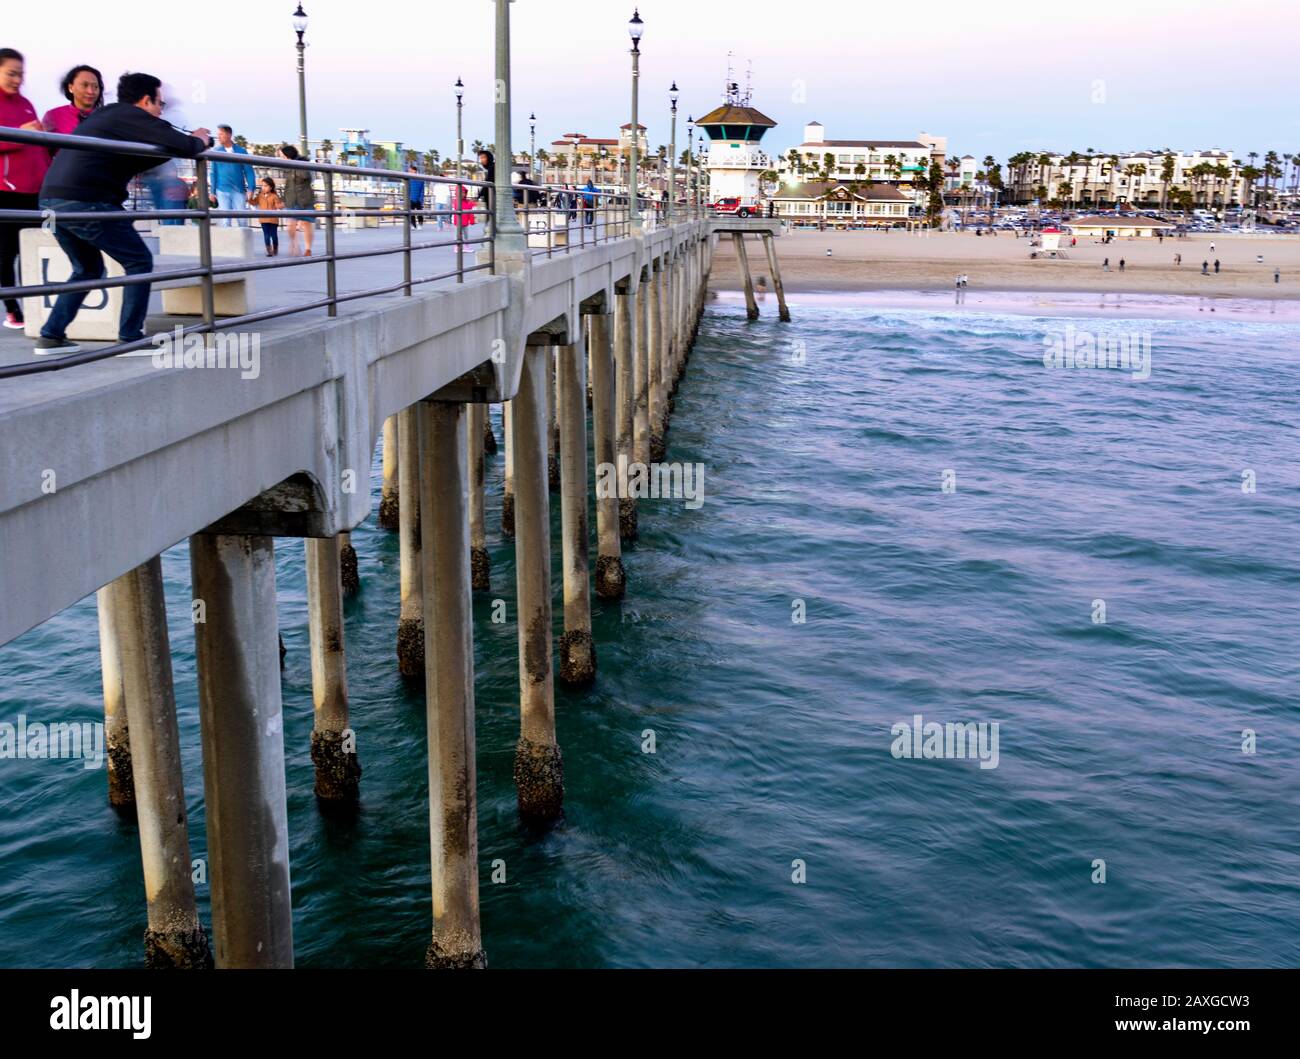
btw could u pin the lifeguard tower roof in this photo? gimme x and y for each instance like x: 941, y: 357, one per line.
x: 732, y: 122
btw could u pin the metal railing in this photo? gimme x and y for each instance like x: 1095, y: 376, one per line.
x: 561, y: 218
x: 208, y: 273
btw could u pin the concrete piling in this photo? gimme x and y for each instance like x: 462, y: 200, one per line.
x: 508, y: 481
x: 655, y: 363
x: 449, y: 685
x: 552, y: 428
x: 117, y: 739
x: 242, y: 726
x: 774, y: 266
x: 349, y: 575
x: 611, y: 580
x: 751, y: 305
x: 539, y: 769
x: 624, y: 398
x: 641, y: 376
x: 333, y: 743
x: 174, y: 937
x: 388, y: 498
x: 410, y: 622
x: 480, y: 562
x: 577, y: 648
x: 489, y: 438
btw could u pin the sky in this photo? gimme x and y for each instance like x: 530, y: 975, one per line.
x: 993, y: 79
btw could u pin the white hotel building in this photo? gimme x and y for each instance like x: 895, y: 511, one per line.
x: 1132, y: 178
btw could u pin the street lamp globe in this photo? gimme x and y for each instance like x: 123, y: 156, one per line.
x: 460, y: 90
x: 635, y: 27
x: 673, y: 94
x: 300, y: 21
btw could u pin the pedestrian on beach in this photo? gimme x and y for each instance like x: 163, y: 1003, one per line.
x: 268, y: 198
x: 1121, y: 264
x: 298, y: 195
x: 828, y: 251
x: 1211, y: 248
x: 232, y: 184
x: 1205, y: 268
x: 1277, y: 275
x: 83, y: 88
x: 1178, y: 259
x: 22, y: 168
x: 1216, y: 266
x: 87, y: 182
x: 415, y: 190
x: 1105, y: 265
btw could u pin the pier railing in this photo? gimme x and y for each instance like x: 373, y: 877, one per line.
x: 209, y: 273
x: 559, y: 218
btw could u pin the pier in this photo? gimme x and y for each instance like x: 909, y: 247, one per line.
x: 110, y: 460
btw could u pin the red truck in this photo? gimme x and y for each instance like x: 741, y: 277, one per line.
x: 736, y: 207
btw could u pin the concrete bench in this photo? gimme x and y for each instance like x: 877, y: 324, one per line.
x: 43, y: 261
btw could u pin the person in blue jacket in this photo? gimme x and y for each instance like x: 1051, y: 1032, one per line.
x: 230, y: 182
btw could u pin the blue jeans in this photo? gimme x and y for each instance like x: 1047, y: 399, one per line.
x: 232, y: 200
x: 83, y: 242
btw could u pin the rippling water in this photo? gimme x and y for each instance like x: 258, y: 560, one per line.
x: 825, y: 445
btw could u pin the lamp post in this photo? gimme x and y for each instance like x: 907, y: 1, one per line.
x: 690, y: 157
x: 507, y: 221
x: 672, y: 156
x: 532, y: 145
x: 634, y: 28
x: 460, y: 140
x: 300, y: 27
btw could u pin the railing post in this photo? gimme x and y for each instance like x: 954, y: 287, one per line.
x: 331, y: 276
x: 205, y: 243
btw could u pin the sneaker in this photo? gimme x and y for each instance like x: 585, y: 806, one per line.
x: 14, y: 320
x: 45, y: 346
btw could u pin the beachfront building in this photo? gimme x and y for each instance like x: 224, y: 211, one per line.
x: 576, y: 157
x: 837, y: 205
x: 1128, y: 227
x: 1141, y: 179
x: 895, y: 162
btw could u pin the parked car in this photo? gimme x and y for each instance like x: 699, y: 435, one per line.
x: 734, y: 206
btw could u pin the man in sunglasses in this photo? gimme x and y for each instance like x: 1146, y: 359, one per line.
x: 94, y: 182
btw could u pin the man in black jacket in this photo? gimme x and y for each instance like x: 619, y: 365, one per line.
x: 89, y: 181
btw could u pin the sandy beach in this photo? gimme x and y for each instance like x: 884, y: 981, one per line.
x: 867, y: 261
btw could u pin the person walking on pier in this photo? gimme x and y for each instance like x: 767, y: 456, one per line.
x: 22, y: 167
x: 298, y: 195
x: 83, y: 88
x: 589, y: 196
x: 82, y: 181
x: 232, y: 184
x: 269, y: 199
x: 489, y: 166
x: 415, y: 196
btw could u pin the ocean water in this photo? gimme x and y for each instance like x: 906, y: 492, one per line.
x: 944, y: 513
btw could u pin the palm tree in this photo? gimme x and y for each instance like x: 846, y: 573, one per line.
x: 380, y: 156
x: 326, y: 149
x: 241, y: 141
x: 1167, y: 166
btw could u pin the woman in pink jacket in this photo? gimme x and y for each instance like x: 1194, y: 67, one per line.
x: 83, y: 88
x: 22, y: 168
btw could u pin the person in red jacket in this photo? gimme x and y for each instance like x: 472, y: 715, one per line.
x: 22, y: 168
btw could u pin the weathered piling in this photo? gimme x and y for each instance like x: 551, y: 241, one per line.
x: 449, y: 685
x: 410, y: 622
x: 117, y: 739
x: 611, y: 580
x: 508, y: 476
x: 552, y: 428
x: 243, y: 750
x: 539, y: 770
x: 769, y: 246
x: 349, y: 575
x: 174, y: 937
x: 388, y: 498
x: 641, y: 375
x: 751, y: 305
x: 333, y: 743
x: 577, y: 648
x: 489, y: 438
x: 625, y: 397
x: 655, y: 360
x: 480, y: 562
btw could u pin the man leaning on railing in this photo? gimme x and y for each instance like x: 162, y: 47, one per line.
x: 85, y: 181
